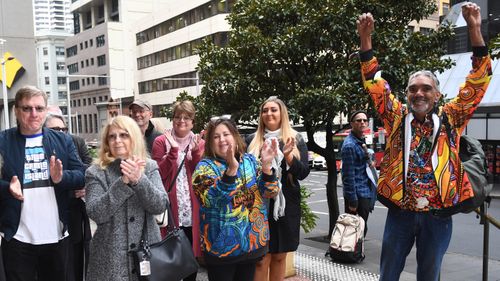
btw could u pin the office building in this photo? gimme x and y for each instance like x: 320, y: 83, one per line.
x: 165, y: 48
x: 16, y: 20
x: 100, y: 60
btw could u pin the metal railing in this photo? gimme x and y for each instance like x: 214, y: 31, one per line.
x: 486, y: 220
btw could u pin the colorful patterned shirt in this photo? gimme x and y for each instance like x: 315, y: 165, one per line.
x: 233, y: 213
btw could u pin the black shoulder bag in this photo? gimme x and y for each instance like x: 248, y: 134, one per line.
x: 171, y: 259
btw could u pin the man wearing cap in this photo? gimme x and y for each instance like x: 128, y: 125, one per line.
x: 141, y: 112
x: 359, y: 190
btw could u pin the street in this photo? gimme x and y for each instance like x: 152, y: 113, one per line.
x: 467, y: 238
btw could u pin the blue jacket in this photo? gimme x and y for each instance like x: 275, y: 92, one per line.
x: 12, y: 149
x: 354, y: 178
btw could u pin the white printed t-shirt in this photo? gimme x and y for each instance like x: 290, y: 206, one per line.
x: 39, y: 223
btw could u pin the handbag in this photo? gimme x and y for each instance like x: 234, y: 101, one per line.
x: 171, y: 259
x: 162, y: 219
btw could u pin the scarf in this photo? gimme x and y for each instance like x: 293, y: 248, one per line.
x: 279, y: 199
x: 182, y: 142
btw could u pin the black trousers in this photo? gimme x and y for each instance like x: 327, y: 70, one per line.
x: 231, y: 272
x: 189, y: 233
x: 363, y: 209
x: 27, y: 262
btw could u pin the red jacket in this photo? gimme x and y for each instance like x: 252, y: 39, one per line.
x: 167, y: 163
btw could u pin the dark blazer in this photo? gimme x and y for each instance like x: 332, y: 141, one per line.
x: 12, y: 148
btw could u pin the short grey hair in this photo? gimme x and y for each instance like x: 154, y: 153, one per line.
x: 425, y: 73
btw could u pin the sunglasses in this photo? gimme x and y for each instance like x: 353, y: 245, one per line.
x: 60, y: 129
x: 122, y: 136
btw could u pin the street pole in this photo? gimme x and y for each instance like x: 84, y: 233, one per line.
x: 5, y: 96
x: 68, y: 101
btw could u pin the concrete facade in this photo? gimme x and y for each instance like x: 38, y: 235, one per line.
x: 165, y: 44
x: 103, y: 45
x: 51, y: 66
x: 16, y: 28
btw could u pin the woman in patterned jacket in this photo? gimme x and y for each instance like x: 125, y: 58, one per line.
x: 231, y: 187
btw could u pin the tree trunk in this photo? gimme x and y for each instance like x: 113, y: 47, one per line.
x: 331, y: 193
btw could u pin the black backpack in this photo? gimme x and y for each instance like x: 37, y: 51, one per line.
x: 474, y: 161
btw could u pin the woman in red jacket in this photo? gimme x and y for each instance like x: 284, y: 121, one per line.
x: 169, y: 150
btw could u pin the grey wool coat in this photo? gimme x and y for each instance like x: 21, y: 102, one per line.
x: 118, y: 210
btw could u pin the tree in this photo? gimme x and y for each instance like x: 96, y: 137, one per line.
x: 305, y: 52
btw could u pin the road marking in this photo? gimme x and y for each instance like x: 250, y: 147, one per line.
x: 318, y: 201
x: 320, y: 213
x: 310, y: 181
x: 318, y: 189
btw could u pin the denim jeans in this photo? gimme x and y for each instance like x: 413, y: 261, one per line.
x: 432, y: 235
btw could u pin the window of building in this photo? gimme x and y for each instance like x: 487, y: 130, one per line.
x: 96, y: 123
x: 86, y: 44
x: 100, y: 14
x: 88, y: 80
x: 76, y: 22
x: 83, y: 82
x: 62, y: 95
x: 101, y: 60
x: 45, y: 51
x: 79, y: 103
x: 46, y: 66
x: 85, y: 124
x: 71, y: 51
x: 88, y: 20
x: 73, y: 86
x: 72, y: 68
x: 91, y: 61
x: 87, y: 62
x: 47, y: 80
x: 61, y: 80
x: 93, y: 83
x: 115, y: 15
x: 59, y: 51
x: 94, y: 99
x: 101, y: 81
x: 81, y: 46
x: 100, y: 41
x: 60, y: 65
x: 84, y: 102
x: 81, y: 63
x: 100, y: 98
x: 91, y: 42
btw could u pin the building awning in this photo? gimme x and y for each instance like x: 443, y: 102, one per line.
x: 451, y: 79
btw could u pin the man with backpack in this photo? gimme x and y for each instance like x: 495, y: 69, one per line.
x: 421, y: 170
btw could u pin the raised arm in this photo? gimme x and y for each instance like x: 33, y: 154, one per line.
x: 365, y: 26
x: 472, y: 15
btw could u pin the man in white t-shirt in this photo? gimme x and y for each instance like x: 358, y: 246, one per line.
x: 40, y: 166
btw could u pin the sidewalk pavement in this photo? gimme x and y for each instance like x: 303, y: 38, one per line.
x: 312, y: 265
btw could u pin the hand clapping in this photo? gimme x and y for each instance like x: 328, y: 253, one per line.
x: 267, y: 154
x: 131, y: 170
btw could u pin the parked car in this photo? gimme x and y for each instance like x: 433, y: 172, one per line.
x: 319, y: 163
x: 310, y: 158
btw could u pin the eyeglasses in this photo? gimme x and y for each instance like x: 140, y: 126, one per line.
x: 30, y: 108
x: 182, y: 118
x: 122, y: 136
x: 361, y: 120
x: 60, y: 129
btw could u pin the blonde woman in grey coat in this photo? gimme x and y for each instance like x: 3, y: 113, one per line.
x: 123, y: 187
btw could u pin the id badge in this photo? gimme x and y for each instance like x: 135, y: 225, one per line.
x: 145, y: 268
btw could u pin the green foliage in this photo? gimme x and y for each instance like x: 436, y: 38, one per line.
x: 166, y: 111
x: 301, y: 51
x: 93, y: 152
x: 308, y: 218
x: 495, y: 47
